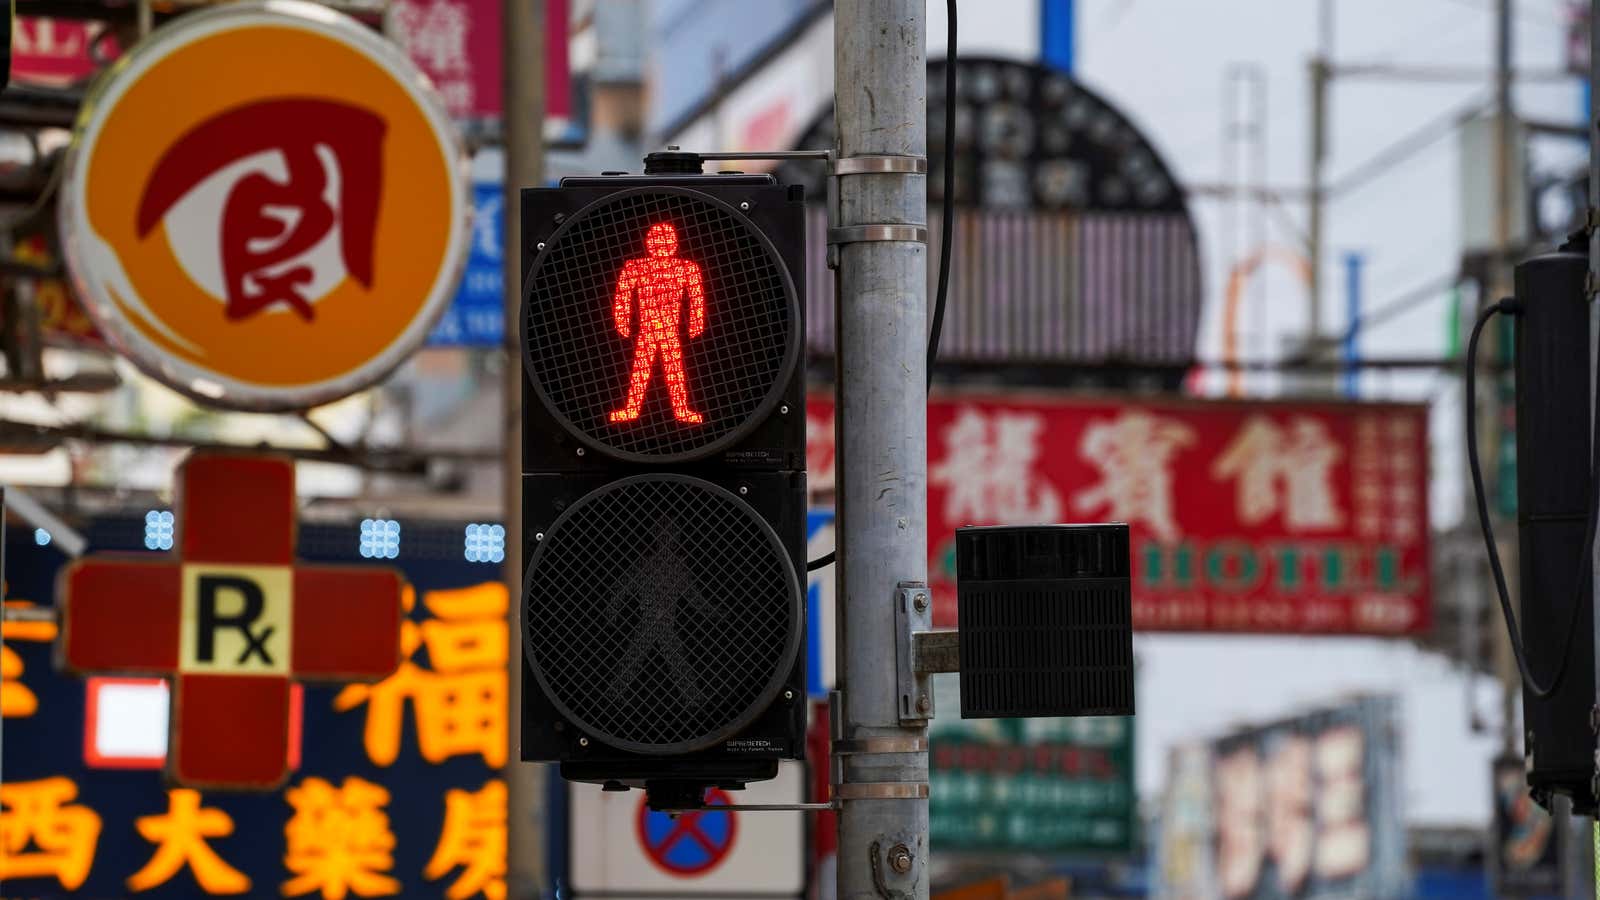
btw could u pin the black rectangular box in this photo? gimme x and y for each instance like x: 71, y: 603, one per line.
x: 1046, y: 618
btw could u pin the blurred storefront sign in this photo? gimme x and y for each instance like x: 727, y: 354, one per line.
x: 458, y: 45
x: 1057, y: 194
x: 1049, y: 288
x: 62, y: 319
x: 1576, y: 13
x: 476, y: 317
x: 395, y: 787
x: 285, y: 237
x: 1307, y: 808
x: 1247, y: 517
x: 743, y: 75
x: 1525, y: 857
x: 1039, y: 786
x: 58, y: 52
x: 820, y: 600
x: 769, y: 111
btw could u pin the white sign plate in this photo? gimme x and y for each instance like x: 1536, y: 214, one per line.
x: 622, y: 850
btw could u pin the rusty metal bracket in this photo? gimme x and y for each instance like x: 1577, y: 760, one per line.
x: 935, y: 652
x: 913, y: 614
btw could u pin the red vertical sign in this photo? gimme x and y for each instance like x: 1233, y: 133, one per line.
x: 457, y: 44
x: 1246, y: 517
x: 57, y: 52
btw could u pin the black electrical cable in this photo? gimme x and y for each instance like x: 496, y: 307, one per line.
x: 1509, y: 307
x: 947, y: 215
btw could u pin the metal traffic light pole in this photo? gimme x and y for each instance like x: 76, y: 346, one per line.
x: 881, y: 774
x: 1594, y: 327
x: 522, y: 121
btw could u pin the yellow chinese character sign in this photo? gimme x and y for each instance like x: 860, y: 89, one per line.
x: 396, y: 789
x: 459, y: 696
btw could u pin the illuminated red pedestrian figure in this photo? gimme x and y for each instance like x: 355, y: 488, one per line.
x: 660, y: 281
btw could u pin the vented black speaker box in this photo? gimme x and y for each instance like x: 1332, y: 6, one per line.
x: 1553, y: 494
x: 1046, y: 620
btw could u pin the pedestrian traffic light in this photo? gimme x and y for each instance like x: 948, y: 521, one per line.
x: 664, y: 480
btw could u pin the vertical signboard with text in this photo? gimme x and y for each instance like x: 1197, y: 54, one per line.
x: 1307, y: 807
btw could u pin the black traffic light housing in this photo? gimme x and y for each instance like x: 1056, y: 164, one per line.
x: 1554, y: 493
x: 664, y: 480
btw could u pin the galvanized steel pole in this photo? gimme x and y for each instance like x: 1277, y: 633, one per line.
x: 522, y: 123
x: 880, y: 102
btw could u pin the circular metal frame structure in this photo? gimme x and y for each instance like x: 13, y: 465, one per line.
x: 774, y: 681
x: 793, y: 339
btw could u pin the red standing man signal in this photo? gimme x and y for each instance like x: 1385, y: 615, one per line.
x: 660, y: 280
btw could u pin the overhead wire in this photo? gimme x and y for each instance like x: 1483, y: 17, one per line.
x: 1420, y: 139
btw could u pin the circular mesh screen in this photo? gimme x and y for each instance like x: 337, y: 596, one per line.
x: 658, y: 324
x: 663, y: 614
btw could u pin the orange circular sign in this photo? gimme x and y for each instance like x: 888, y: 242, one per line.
x: 265, y: 205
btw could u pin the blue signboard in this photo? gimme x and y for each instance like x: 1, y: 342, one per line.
x: 476, y: 317
x: 819, y: 606
x: 396, y: 788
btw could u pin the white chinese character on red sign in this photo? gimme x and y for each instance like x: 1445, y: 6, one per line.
x: 988, y: 470
x: 1344, y: 844
x: 1241, y: 840
x: 434, y: 35
x: 1283, y: 470
x: 819, y: 452
x: 1134, y: 454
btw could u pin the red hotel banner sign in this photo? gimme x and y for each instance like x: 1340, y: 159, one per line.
x: 1306, y: 518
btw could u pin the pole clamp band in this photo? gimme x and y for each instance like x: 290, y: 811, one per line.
x: 881, y: 164
x: 882, y: 790
x: 873, y: 746
x: 857, y: 234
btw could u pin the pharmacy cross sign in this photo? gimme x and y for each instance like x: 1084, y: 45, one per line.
x: 231, y: 619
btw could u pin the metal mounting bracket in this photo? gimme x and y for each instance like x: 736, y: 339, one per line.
x: 938, y: 651
x: 913, y: 615
x: 754, y: 807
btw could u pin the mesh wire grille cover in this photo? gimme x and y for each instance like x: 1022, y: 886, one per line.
x: 659, y: 325
x: 1046, y: 621
x: 663, y: 615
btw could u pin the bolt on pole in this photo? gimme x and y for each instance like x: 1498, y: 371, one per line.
x: 880, y: 59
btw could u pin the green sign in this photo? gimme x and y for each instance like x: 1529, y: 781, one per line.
x: 1030, y: 785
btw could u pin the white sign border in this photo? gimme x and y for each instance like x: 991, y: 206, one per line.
x: 199, y: 383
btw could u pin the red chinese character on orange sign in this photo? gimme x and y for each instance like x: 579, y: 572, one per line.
x: 264, y: 254
x: 474, y: 836
x: 339, y: 840
x: 660, y: 280
x: 180, y: 839
x: 63, y: 834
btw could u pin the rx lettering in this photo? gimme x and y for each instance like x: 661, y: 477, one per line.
x: 236, y: 619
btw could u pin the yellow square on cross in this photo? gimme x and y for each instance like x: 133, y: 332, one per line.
x: 236, y: 619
